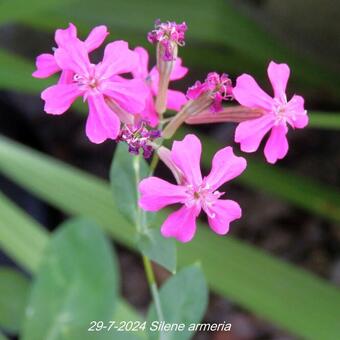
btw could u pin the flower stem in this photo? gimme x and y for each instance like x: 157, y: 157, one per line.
x: 153, y: 287
x: 150, y: 276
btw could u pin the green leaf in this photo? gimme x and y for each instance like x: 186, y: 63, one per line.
x: 11, y: 10
x: 124, y: 312
x: 184, y: 299
x: 14, y: 288
x: 21, y: 79
x: 325, y: 120
x: 263, y: 284
x: 158, y: 248
x: 15, y: 222
x: 126, y: 172
x: 76, y: 283
x: 25, y: 230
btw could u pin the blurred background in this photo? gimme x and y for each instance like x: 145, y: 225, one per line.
x: 223, y: 36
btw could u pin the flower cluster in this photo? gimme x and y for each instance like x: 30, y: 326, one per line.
x: 169, y: 35
x: 138, y: 138
x: 127, y: 100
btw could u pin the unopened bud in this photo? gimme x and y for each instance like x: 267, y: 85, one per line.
x: 168, y: 36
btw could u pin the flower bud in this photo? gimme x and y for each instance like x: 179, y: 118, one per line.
x: 203, y: 96
x: 138, y: 137
x: 167, y: 36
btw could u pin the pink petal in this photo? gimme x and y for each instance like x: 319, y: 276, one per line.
x: 225, y: 166
x: 118, y: 58
x: 149, y: 113
x: 165, y: 156
x: 186, y: 155
x: 196, y: 90
x: 278, y: 75
x: 225, y: 212
x: 73, y: 57
x: 96, y: 37
x: 277, y: 144
x: 130, y: 95
x: 102, y: 123
x: 157, y: 193
x: 142, y: 67
x: 248, y: 93
x: 59, y: 98
x: 296, y: 106
x: 181, y: 224
x: 250, y: 132
x: 66, y: 77
x: 175, y: 100
x: 46, y: 66
x: 63, y: 36
x: 178, y: 71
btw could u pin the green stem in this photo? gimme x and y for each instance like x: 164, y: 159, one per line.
x: 154, y: 162
x: 150, y: 276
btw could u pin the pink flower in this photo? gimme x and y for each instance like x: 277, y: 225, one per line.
x: 169, y: 35
x: 175, y: 99
x: 278, y: 111
x: 192, y: 191
x: 218, y: 87
x: 109, y: 96
x: 46, y: 63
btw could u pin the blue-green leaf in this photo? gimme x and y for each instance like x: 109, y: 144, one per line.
x: 14, y: 288
x: 158, y: 248
x: 76, y: 284
x: 126, y: 172
x: 184, y: 299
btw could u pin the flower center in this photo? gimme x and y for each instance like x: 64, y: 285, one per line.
x: 202, y: 196
x: 282, y: 113
x: 87, y: 81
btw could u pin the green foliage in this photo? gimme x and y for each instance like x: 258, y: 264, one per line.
x: 259, y: 282
x: 325, y: 120
x: 184, y: 298
x: 14, y: 288
x: 126, y: 172
x: 77, y: 282
x: 11, y: 10
x: 159, y: 249
x: 14, y: 222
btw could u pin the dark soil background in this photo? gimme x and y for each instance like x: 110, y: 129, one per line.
x: 269, y: 223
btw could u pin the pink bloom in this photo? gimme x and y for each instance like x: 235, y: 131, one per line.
x: 46, y: 63
x: 278, y: 111
x: 192, y: 191
x: 175, y: 99
x: 169, y: 35
x: 218, y: 87
x: 98, y: 84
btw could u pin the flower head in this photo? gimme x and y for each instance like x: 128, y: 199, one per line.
x: 278, y: 113
x: 110, y: 97
x: 168, y: 34
x: 46, y: 63
x: 217, y: 87
x: 138, y: 137
x: 175, y: 99
x: 194, y: 192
